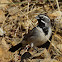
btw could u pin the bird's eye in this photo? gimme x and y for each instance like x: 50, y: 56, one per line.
x: 41, y: 17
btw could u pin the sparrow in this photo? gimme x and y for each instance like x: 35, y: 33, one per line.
x: 38, y: 35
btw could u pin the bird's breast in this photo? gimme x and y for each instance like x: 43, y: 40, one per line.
x: 41, y: 38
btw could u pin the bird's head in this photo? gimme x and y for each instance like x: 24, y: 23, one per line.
x: 43, y: 20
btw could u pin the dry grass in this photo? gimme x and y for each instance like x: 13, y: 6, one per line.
x: 16, y: 18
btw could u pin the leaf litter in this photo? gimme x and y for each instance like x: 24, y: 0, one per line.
x: 17, y: 17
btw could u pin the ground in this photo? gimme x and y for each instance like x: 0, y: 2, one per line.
x: 17, y: 17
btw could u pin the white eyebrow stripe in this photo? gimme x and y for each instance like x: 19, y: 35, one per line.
x: 45, y: 17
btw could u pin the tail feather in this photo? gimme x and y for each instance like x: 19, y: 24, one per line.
x: 16, y: 47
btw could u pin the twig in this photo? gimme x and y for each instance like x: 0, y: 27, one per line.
x: 57, y: 5
x: 20, y: 2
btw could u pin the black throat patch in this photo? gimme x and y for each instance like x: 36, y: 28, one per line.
x: 44, y: 28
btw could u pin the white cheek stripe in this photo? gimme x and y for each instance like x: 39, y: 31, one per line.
x: 42, y: 21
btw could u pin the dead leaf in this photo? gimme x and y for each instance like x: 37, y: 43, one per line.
x: 59, y: 46
x: 3, y: 5
x: 2, y: 16
x: 13, y: 10
x: 2, y: 32
x: 5, y: 44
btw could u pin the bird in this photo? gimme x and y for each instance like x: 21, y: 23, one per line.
x: 38, y: 35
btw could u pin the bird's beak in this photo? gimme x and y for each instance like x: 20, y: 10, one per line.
x: 37, y: 17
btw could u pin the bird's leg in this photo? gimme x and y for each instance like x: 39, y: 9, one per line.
x: 35, y: 48
x: 27, y: 47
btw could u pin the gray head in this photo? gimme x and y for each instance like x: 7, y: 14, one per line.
x: 43, y: 22
x: 43, y: 19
